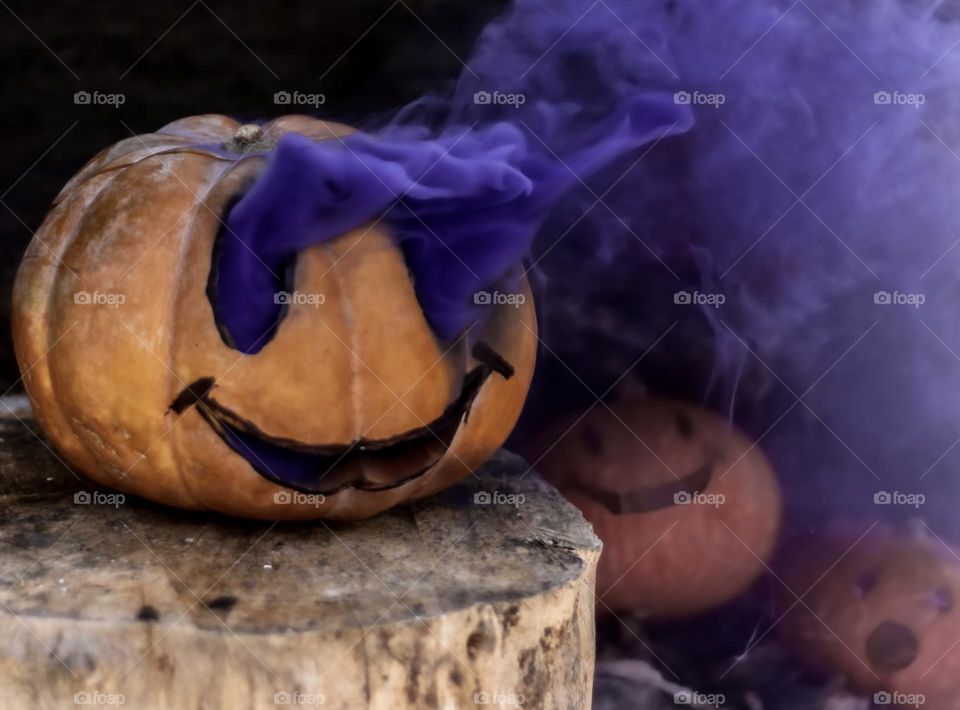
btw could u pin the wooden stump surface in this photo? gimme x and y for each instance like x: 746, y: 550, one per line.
x: 451, y: 602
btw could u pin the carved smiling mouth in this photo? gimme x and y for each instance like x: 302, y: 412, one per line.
x: 651, y: 498
x: 366, y: 464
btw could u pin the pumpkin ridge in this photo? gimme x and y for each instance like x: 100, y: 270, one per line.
x: 186, y: 241
x: 356, y: 399
x: 177, y: 149
x: 58, y: 265
x: 92, y: 169
x: 91, y: 436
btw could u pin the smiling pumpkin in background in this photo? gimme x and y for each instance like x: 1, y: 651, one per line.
x: 353, y: 400
x: 687, y: 507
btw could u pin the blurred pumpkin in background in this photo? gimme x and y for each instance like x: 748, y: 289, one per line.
x: 688, y: 509
x: 880, y: 607
x: 353, y: 402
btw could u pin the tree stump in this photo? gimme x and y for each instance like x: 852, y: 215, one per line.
x: 483, y: 595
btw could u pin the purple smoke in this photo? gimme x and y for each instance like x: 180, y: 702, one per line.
x: 850, y: 107
x: 526, y: 123
x: 464, y: 207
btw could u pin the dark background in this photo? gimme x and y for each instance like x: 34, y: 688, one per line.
x: 171, y: 60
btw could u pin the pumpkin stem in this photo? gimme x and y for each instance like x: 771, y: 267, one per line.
x: 245, y: 138
x: 248, y: 133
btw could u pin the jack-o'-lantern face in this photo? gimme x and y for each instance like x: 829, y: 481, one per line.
x: 687, y: 507
x: 878, y: 606
x: 352, y: 399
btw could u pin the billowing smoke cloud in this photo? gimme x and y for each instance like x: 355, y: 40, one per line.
x: 812, y: 213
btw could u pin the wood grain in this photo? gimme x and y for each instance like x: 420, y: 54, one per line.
x: 449, y: 603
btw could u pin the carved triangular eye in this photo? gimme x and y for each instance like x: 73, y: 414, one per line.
x: 866, y: 583
x: 493, y: 360
x: 685, y: 425
x: 224, y: 308
x: 942, y: 599
x: 592, y: 439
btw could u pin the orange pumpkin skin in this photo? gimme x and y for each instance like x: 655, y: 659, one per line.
x: 879, y: 606
x: 140, y: 221
x: 621, y: 468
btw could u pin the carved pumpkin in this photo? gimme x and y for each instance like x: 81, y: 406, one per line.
x: 879, y: 606
x: 687, y: 508
x: 353, y: 400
